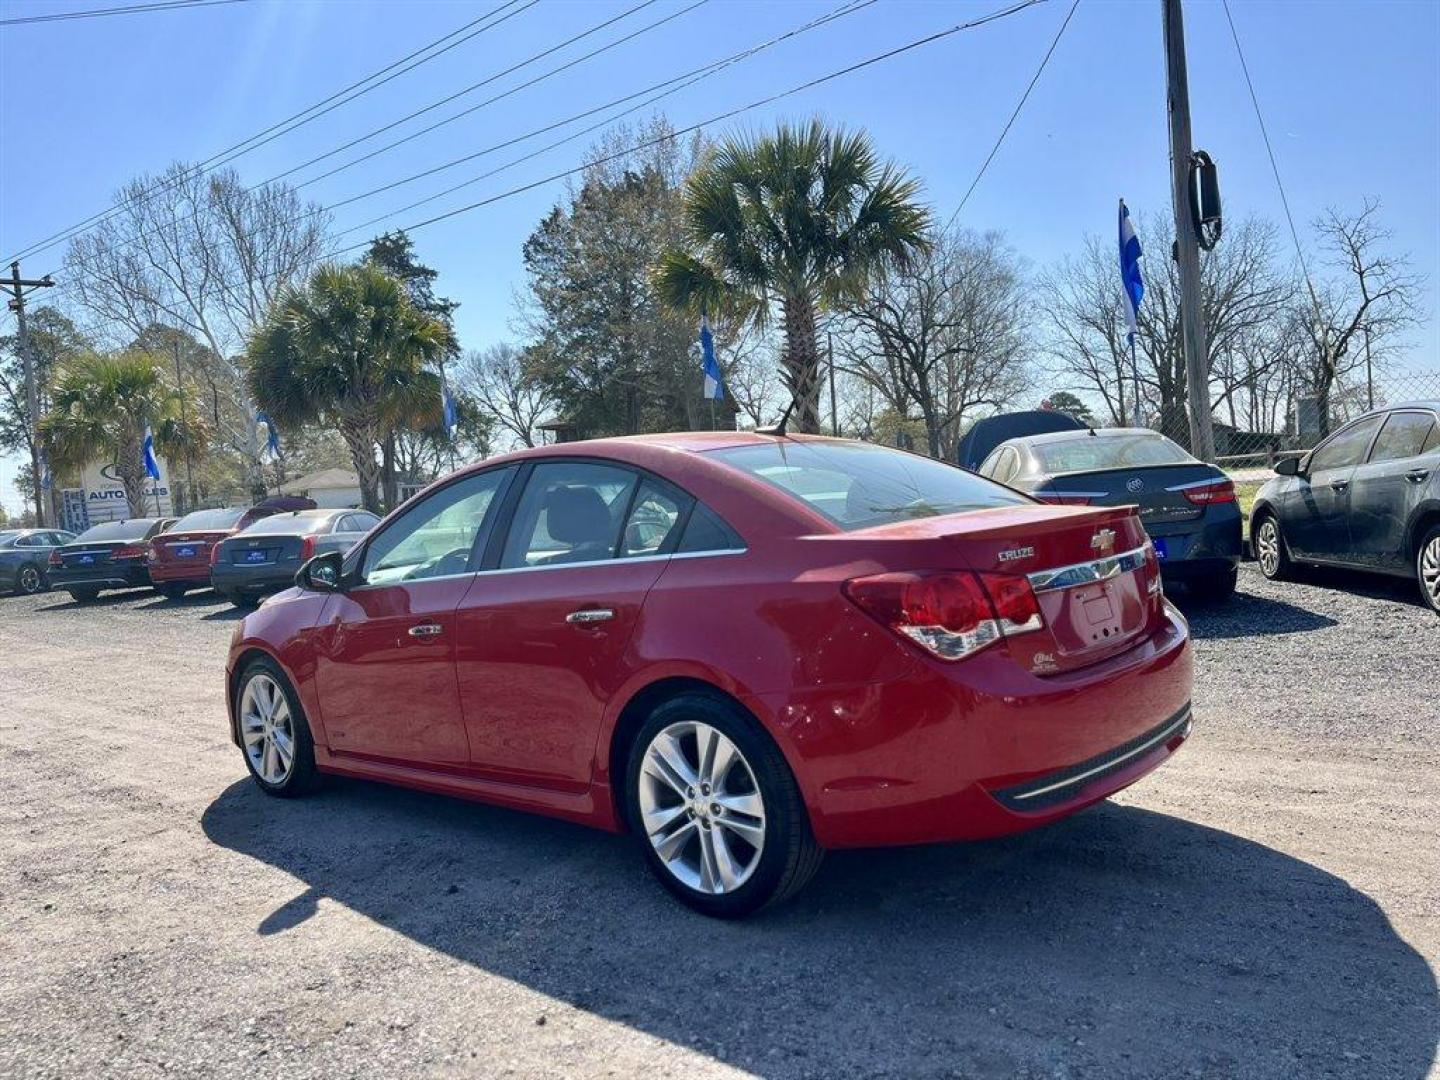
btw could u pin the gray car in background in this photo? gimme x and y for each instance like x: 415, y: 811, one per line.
x: 1188, y: 507
x: 263, y: 558
x: 25, y: 558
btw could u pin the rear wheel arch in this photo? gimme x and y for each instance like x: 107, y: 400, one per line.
x: 1425, y: 520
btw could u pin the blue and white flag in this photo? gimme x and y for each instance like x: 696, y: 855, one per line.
x: 272, y: 440
x: 147, y: 452
x: 714, y: 389
x: 1130, y: 269
x: 447, y: 401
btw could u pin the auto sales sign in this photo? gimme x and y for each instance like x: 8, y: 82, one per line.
x: 105, y: 494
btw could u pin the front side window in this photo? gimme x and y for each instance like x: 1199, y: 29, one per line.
x: 571, y: 512
x: 1403, y: 436
x: 437, y: 536
x: 857, y: 485
x: 1346, y: 448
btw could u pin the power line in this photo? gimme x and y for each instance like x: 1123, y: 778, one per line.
x: 129, y: 9
x: 1274, y: 167
x: 1018, y: 106
x: 683, y: 80
x: 378, y: 78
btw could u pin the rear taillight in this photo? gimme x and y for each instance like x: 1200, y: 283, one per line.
x: 951, y: 614
x: 214, y: 554
x: 152, y: 552
x: 55, y: 559
x: 1065, y: 498
x: 1221, y: 491
x: 307, y: 547
x: 130, y: 551
x: 1152, y: 572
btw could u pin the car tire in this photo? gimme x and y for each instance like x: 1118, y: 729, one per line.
x: 30, y: 580
x: 171, y: 592
x: 1270, y: 551
x: 1215, y: 587
x: 83, y: 596
x: 269, y: 718
x: 1427, y: 567
x: 242, y: 601
x: 741, y: 819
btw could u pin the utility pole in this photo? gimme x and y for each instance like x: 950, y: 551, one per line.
x: 830, y: 351
x: 1187, y: 247
x: 18, y: 285
x: 185, y: 423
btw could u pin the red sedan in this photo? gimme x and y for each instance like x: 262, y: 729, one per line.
x: 745, y: 649
x: 179, y: 558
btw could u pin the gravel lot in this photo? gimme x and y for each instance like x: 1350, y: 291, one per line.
x: 1264, y: 906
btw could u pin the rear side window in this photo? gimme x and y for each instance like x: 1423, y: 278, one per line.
x: 706, y: 532
x: 571, y: 511
x: 1433, y: 442
x: 1403, y: 436
x: 857, y: 485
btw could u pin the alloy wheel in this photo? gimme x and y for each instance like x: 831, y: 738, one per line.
x: 1430, y: 571
x: 1267, y: 547
x: 701, y: 808
x: 29, y: 580
x: 267, y: 729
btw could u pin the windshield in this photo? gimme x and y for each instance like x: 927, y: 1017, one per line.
x: 133, y: 529
x: 209, y: 519
x: 287, y: 525
x: 857, y: 485
x: 1085, y: 453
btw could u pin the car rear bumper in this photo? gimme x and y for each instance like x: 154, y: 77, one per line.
x: 1214, y: 544
x: 253, y: 580
x: 180, y: 573
x: 100, y: 577
x: 956, y: 753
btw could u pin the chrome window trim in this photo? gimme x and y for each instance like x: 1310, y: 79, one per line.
x: 1087, y: 573
x: 554, y: 566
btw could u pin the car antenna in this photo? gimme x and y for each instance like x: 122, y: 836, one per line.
x: 779, y: 429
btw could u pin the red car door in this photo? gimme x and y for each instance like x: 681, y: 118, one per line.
x: 385, y: 656
x: 543, y: 638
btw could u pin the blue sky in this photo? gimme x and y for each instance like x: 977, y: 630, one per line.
x: 1351, y: 94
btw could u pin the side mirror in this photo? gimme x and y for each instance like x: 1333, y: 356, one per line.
x: 322, y: 573
x: 1288, y: 466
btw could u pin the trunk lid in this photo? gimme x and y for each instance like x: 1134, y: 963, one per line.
x: 1091, y: 569
x: 89, y: 556
x: 261, y: 550
x: 1158, y: 490
x: 186, y: 548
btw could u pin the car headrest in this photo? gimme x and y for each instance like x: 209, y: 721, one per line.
x: 577, y: 515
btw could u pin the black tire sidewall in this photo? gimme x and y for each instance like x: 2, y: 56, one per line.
x: 777, y: 788
x: 83, y: 596
x: 303, y: 775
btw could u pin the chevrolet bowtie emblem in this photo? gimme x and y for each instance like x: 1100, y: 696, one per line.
x: 1103, y: 541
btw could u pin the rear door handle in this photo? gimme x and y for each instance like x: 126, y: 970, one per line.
x: 1339, y: 485
x: 1415, y: 476
x: 589, y: 616
x: 425, y: 630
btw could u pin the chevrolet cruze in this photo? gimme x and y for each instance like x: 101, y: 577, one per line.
x: 745, y: 649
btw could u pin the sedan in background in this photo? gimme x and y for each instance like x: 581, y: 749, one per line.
x: 180, y: 556
x: 743, y: 648
x: 108, y: 556
x: 1188, y: 508
x: 263, y: 557
x: 25, y: 558
x: 1368, y: 498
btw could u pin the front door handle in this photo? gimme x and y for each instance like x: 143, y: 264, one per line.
x: 590, y: 616
x: 1339, y: 485
x: 425, y: 630
x: 1416, y: 476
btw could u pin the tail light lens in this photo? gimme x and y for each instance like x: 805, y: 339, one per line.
x: 152, y: 552
x: 214, y: 554
x: 131, y: 551
x: 951, y: 614
x: 307, y: 547
x: 1152, y: 574
x: 55, y: 559
x: 1065, y: 498
x: 1221, y: 491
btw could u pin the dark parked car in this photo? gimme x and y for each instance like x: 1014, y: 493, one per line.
x: 263, y: 557
x: 108, y: 556
x: 180, y: 557
x: 1368, y: 497
x: 1187, y: 507
x: 25, y: 557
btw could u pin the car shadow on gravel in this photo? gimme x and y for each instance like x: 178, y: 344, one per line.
x: 64, y: 602
x: 1120, y: 942
x: 1245, y: 615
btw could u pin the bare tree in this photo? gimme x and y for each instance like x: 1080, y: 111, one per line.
x: 1368, y: 299
x: 501, y: 383
x: 945, y: 336
x: 202, y: 253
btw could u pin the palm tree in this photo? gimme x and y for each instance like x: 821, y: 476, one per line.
x: 799, y: 219
x: 100, y: 409
x: 348, y: 350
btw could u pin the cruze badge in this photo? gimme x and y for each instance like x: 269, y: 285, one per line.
x: 1103, y: 541
x: 1016, y: 553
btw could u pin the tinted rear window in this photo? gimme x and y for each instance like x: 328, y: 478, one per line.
x: 209, y: 519
x: 134, y: 529
x: 1086, y: 452
x: 288, y: 525
x: 857, y: 485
